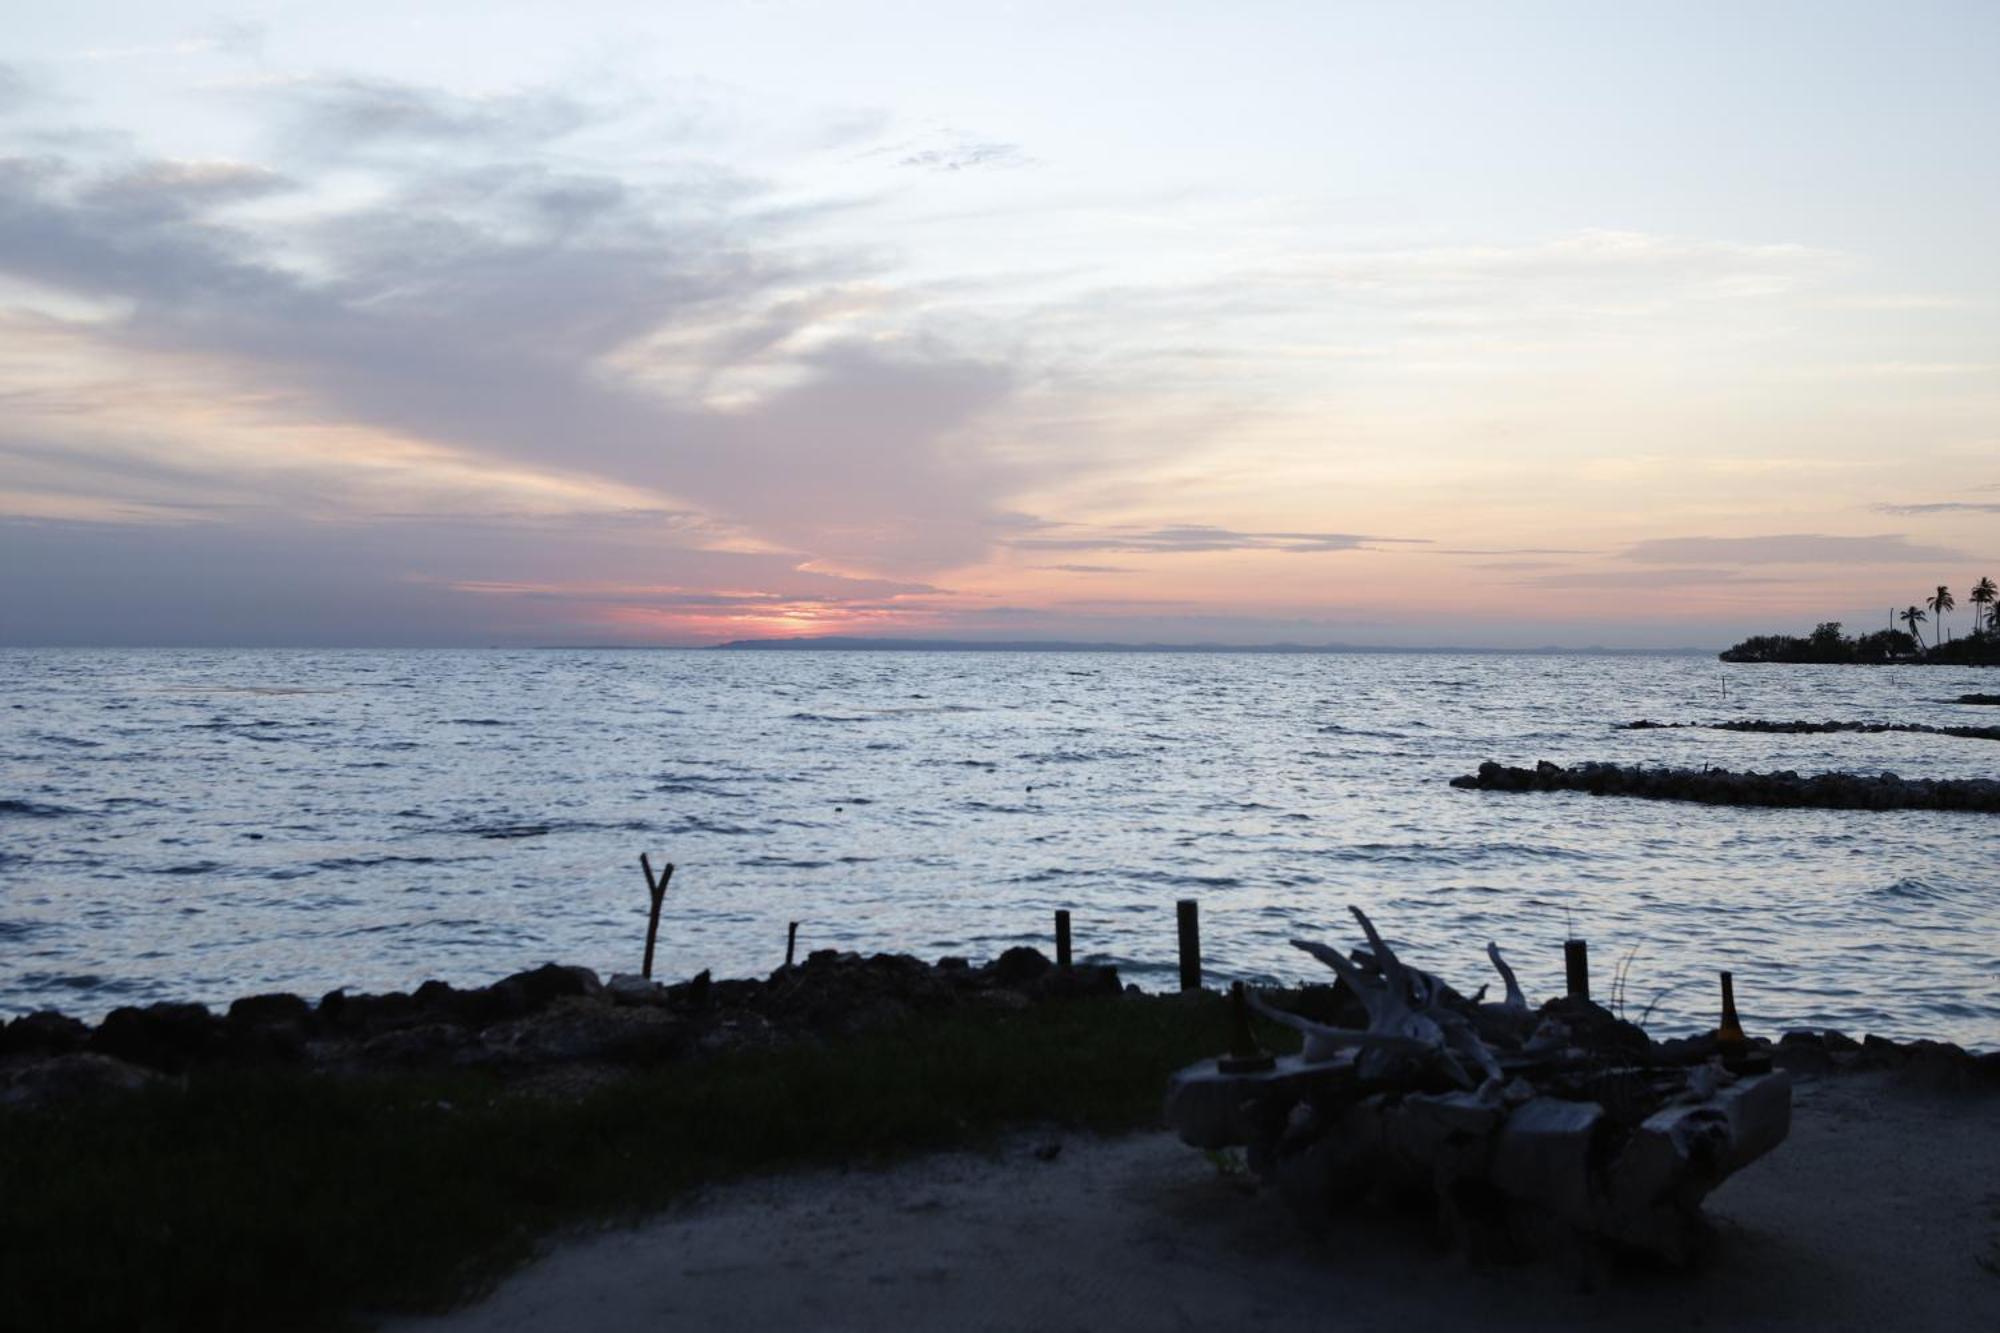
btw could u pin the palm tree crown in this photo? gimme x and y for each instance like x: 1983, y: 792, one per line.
x: 1939, y: 602
x: 1914, y: 617
x: 1982, y: 595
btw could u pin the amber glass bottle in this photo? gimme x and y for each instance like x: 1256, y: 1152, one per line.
x: 1730, y: 1033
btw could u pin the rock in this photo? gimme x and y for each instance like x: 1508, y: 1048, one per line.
x: 44, y: 1032
x: 265, y: 1010
x: 64, y: 1078
x: 167, y: 1037
x: 1211, y: 1109
x: 692, y: 993
x: 1082, y: 982
x: 576, y: 1029
x: 631, y: 988
x: 1018, y: 967
x: 1543, y: 1156
x: 550, y: 982
x: 1716, y: 786
x: 422, y: 1046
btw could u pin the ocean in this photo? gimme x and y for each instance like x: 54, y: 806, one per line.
x: 199, y: 825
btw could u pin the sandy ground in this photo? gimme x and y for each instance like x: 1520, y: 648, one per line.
x: 1882, y: 1212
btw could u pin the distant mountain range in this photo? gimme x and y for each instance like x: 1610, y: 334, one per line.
x: 850, y: 644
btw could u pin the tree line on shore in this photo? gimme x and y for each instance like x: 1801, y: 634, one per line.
x: 1829, y: 643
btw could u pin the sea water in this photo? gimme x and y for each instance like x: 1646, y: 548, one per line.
x: 207, y: 824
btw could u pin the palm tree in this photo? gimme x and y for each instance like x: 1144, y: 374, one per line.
x: 1913, y: 618
x: 1982, y: 595
x: 1939, y: 603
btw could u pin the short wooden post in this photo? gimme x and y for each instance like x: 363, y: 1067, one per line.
x: 1190, y: 929
x: 1576, y: 968
x: 791, y: 941
x: 657, y: 887
x: 1062, y: 937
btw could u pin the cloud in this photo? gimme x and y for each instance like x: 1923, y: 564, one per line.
x: 494, y: 305
x: 1185, y: 538
x: 337, y: 115
x: 1790, y: 549
x: 966, y: 156
x: 1940, y: 507
x: 1645, y: 578
x: 266, y: 577
x: 1509, y: 550
x: 17, y: 90
x: 1089, y: 569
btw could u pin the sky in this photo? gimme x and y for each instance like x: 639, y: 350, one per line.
x: 1498, y: 324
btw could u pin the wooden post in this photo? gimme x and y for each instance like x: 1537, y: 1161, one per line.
x: 1062, y: 937
x: 1190, y: 930
x: 658, y: 889
x: 1576, y: 967
x: 791, y: 941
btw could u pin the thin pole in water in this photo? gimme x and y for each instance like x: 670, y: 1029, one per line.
x: 658, y: 889
x: 1190, y: 930
x: 791, y: 941
x: 1576, y: 968
x: 1062, y: 937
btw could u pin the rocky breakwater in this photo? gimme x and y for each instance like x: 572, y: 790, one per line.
x: 551, y: 1022
x: 1979, y: 698
x: 1720, y: 786
x: 1802, y: 728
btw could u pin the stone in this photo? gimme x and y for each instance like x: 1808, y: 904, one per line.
x: 167, y: 1037
x: 550, y: 982
x: 420, y: 1046
x: 65, y: 1078
x: 265, y: 1010
x: 1543, y: 1155
x: 1018, y: 967
x: 1211, y: 1109
x: 631, y: 988
x: 578, y: 1029
x: 44, y: 1032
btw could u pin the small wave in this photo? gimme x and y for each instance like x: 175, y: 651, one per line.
x: 192, y: 868
x: 1911, y: 889
x: 478, y: 722
x: 75, y: 742
x: 825, y: 717
x: 363, y: 862
x: 34, y: 809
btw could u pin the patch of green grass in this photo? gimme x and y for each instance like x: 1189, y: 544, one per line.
x: 285, y: 1200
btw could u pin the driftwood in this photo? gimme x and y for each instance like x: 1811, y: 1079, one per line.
x: 1562, y: 1119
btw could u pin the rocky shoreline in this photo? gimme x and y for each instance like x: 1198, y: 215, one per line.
x: 561, y: 1027
x: 1720, y: 786
x: 560, y: 1021
x: 1802, y: 728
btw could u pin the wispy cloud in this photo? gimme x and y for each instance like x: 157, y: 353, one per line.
x: 1939, y: 507
x: 1798, y: 548
x: 1185, y: 538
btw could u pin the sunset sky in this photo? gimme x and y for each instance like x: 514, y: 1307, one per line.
x: 1490, y: 324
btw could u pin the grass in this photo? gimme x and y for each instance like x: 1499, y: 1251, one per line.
x: 285, y: 1200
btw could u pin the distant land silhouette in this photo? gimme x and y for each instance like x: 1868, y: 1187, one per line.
x: 847, y: 643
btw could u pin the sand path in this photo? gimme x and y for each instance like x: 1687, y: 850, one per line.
x: 1881, y: 1213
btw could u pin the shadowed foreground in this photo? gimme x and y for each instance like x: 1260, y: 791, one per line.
x: 1882, y: 1212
